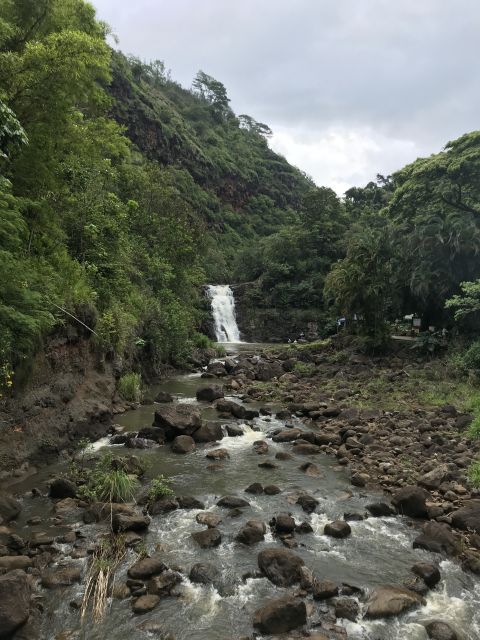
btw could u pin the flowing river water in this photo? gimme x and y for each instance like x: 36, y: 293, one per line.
x: 378, y: 552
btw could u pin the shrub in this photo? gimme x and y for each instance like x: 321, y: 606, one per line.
x: 304, y: 369
x: 159, y: 488
x: 473, y: 474
x: 474, y: 428
x: 471, y: 357
x: 130, y: 387
x: 108, y: 482
x: 201, y: 341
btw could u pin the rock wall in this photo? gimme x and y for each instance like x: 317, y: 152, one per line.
x: 272, y: 324
x: 70, y: 394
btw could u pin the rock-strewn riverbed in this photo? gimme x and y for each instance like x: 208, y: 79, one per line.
x: 294, y: 512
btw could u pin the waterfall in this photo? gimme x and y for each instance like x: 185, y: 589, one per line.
x: 223, y: 311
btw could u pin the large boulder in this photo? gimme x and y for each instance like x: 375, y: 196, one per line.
x: 232, y: 502
x: 61, y: 577
x: 177, y: 420
x: 162, y: 584
x: 14, y: 601
x: 208, y: 538
x: 210, y: 393
x: 204, y: 573
x: 391, y: 601
x: 428, y: 572
x: 9, y: 563
x: 280, y: 615
x: 62, y: 488
x: 467, y: 517
x: 266, y: 371
x: 288, y: 435
x: 252, y: 532
x: 411, y: 501
x: 307, y: 502
x: 145, y: 603
x: 9, y: 507
x: 146, y: 568
x: 122, y: 522
x: 347, y: 608
x: 208, y: 432
x: 439, y: 538
x: 438, y: 630
x: 337, y: 529
x: 229, y: 406
x: 281, y: 566
x: 183, y: 444
x: 434, y: 478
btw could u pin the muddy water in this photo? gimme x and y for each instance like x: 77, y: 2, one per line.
x: 379, y: 550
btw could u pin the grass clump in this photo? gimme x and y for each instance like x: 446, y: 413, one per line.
x: 304, y: 369
x: 109, y: 482
x: 474, y: 428
x: 160, y: 488
x: 473, y: 474
x: 130, y: 387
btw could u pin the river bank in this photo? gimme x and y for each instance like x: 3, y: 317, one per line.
x: 304, y: 516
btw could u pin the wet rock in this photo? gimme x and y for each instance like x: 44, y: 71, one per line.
x: 352, y: 516
x: 120, y: 438
x: 438, y: 538
x: 217, y: 368
x: 324, y: 589
x: 391, y: 601
x: 268, y: 464
x: 61, y: 577
x: 304, y: 527
x: 260, y: 447
x: 208, y: 518
x: 177, y: 420
x: 288, y: 435
x: 163, y: 397
x: 272, y: 490
x: 41, y: 538
x: 207, y: 539
x: 252, y: 532
x: 233, y: 431
x: 337, y: 529
x: 232, y: 502
x: 411, y: 501
x: 146, y: 568
x: 437, y: 630
x: 255, y: 488
x: 163, y: 505
x: 10, y: 563
x: 312, y: 470
x: 380, y: 509
x: 14, y: 601
x: 152, y: 434
x: 62, y: 488
x: 140, y: 443
x: 306, y: 449
x: 145, y: 603
x: 416, y: 584
x: 162, y: 584
x: 283, y: 523
x: 183, y: 444
x: 266, y: 371
x: 307, y: 502
x: 230, y: 407
x: 121, y: 522
x: 105, y: 511
x: 218, y: 454
x: 208, y: 432
x: 283, y: 455
x: 434, y: 478
x: 429, y: 573
x: 467, y: 517
x: 347, y: 608
x: 204, y: 573
x: 281, y: 566
x: 331, y: 412
x: 189, y: 502
x: 9, y: 507
x: 280, y: 615
x: 210, y: 393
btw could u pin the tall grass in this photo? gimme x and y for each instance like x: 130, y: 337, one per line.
x: 108, y: 482
x: 130, y: 387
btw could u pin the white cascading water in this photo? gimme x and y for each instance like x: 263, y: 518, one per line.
x: 223, y: 311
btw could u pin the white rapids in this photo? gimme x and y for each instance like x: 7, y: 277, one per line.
x: 223, y: 311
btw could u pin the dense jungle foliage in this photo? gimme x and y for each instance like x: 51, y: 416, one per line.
x: 121, y: 193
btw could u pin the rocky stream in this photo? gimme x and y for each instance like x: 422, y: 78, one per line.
x: 287, y: 521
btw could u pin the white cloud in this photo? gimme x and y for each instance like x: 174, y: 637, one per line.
x: 341, y: 158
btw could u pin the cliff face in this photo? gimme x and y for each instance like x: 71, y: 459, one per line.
x: 271, y: 324
x: 70, y: 394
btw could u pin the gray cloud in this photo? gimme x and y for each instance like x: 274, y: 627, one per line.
x: 351, y: 87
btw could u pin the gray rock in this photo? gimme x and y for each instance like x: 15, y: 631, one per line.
x: 337, y: 529
x: 390, y: 601
x: 14, y: 601
x: 208, y: 538
x: 281, y: 566
x: 280, y: 615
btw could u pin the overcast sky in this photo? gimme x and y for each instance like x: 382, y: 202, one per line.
x: 351, y: 88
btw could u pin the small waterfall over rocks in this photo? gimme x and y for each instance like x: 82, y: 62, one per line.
x: 223, y: 311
